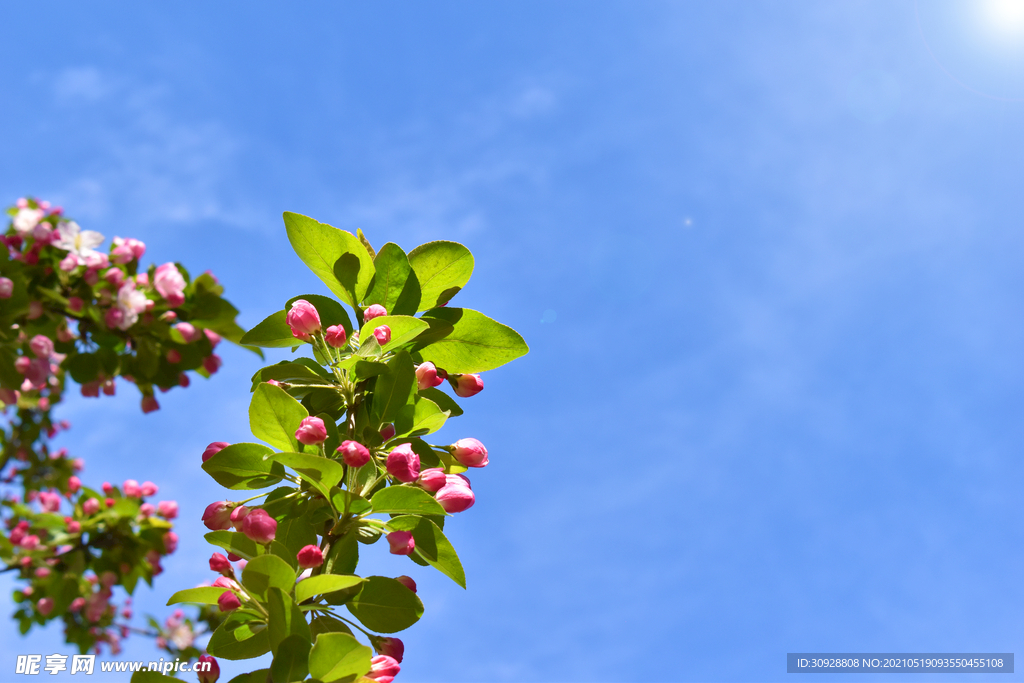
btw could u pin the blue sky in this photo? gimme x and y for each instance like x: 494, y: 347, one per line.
x: 767, y: 256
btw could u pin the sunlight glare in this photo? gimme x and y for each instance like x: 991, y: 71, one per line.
x: 1007, y: 16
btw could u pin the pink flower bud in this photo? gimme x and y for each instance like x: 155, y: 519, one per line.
x: 383, y: 669
x: 188, y: 332
x: 212, y: 363
x: 335, y: 336
x: 401, y: 542
x: 403, y: 464
x: 223, y: 582
x: 76, y: 605
x: 214, y: 448
x: 260, y: 527
x: 426, y: 376
x: 45, y: 606
x: 217, y: 516
x: 109, y: 502
x: 387, y: 432
x: 407, y: 582
x: 238, y: 516
x: 91, y: 507
x: 74, y: 483
x: 168, y: 509
x: 107, y: 487
x: 113, y: 318
x: 147, y: 509
x: 207, y: 675
x: 455, y: 497
x: 74, y: 527
x: 174, y: 356
x: 354, y: 453
x: 170, y: 542
x: 41, y: 346
x: 466, y: 385
x: 213, y: 337
x: 469, y: 452
x: 382, y: 334
x: 149, y: 404
x: 390, y: 647
x: 91, y: 389
x: 114, y: 276
x: 131, y: 488
x: 6, y: 287
x: 170, y: 284
x: 35, y: 310
x: 183, y: 380
x: 228, y: 601
x: 42, y: 572
x: 220, y: 564
x: 431, y: 479
x: 64, y: 335
x: 311, y: 431
x: 303, y: 319
x: 374, y: 311
x: 75, y: 304
x: 77, y: 464
x: 310, y: 556
x: 148, y: 488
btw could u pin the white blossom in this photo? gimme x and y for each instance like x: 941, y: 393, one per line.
x: 77, y: 241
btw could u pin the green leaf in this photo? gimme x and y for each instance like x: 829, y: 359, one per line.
x: 385, y: 605
x: 394, y: 388
x: 289, y: 370
x: 291, y: 659
x: 286, y: 619
x: 258, y: 676
x: 432, y: 546
x: 295, y: 534
x: 239, y: 637
x: 405, y: 500
x: 346, y: 500
x: 394, y: 286
x: 422, y: 417
x: 144, y: 676
x: 474, y: 343
x: 324, y: 583
x: 329, y: 310
x: 317, y: 470
x: 366, y: 243
x: 272, y: 333
x: 443, y: 401
x: 336, y: 656
x: 274, y: 416
x: 335, y: 256
x: 204, y: 595
x: 242, y: 466
x: 234, y: 542
x: 267, y: 571
x: 342, y: 558
x: 443, y: 268
x: 404, y: 328
x: 84, y: 367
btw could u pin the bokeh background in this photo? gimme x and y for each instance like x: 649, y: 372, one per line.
x: 767, y: 256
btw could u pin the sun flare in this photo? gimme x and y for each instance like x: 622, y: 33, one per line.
x: 1006, y: 16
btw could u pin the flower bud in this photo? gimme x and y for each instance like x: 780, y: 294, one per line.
x: 170, y: 542
x: 354, y: 453
x: 91, y: 507
x: 407, y: 582
x: 383, y: 669
x: 76, y: 605
x: 469, y: 452
x: 213, y: 448
x: 426, y: 376
x: 74, y: 483
x: 74, y: 527
x: 401, y: 542
x: 45, y: 606
x: 432, y: 479
x: 220, y: 564
x: 147, y: 509
x: 149, y: 404
x: 455, y: 497
x: 466, y: 385
x: 311, y: 431
x: 238, y: 516
x: 390, y: 647
x: 303, y: 319
x: 374, y: 311
x: 260, y: 527
x: 228, y: 601
x: 335, y: 336
x: 188, y: 332
x: 6, y: 287
x: 403, y: 464
x: 168, y: 509
x: 212, y: 363
x: 170, y: 284
x: 382, y: 334
x: 207, y: 675
x: 109, y: 502
x: 41, y: 346
x: 387, y: 432
x: 217, y: 516
x: 310, y: 556
x: 148, y: 488
x: 174, y: 356
x: 131, y: 488
x: 213, y: 337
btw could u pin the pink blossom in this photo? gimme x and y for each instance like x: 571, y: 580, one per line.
x: 76, y: 605
x: 311, y: 431
x: 212, y: 363
x: 382, y: 334
x: 469, y: 452
x: 114, y: 276
x: 41, y: 346
x: 147, y: 509
x: 217, y: 516
x: 220, y: 564
x: 354, y: 453
x: 45, y: 606
x: 148, y: 488
x: 91, y: 507
x: 387, y: 432
x: 75, y: 304
x: 431, y: 479
x: 170, y: 542
x: 228, y: 601
x: 466, y: 385
x: 390, y: 647
x: 213, y: 337
x: 401, y: 542
x: 303, y: 319
x: 170, y: 284
x: 214, y: 448
x: 49, y: 502
x: 260, y: 527
x: 131, y: 488
x: 6, y: 287
x: 207, y: 675
x: 403, y: 464
x: 188, y: 332
x: 74, y: 527
x: 30, y: 542
x: 69, y: 263
x: 335, y: 336
x: 383, y: 669
x: 149, y: 404
x: 35, y: 310
x: 455, y: 497
x: 168, y: 509
x: 310, y: 556
x: 238, y: 516
x: 173, y: 356
x: 78, y: 464
x: 426, y: 376
x: 374, y: 311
